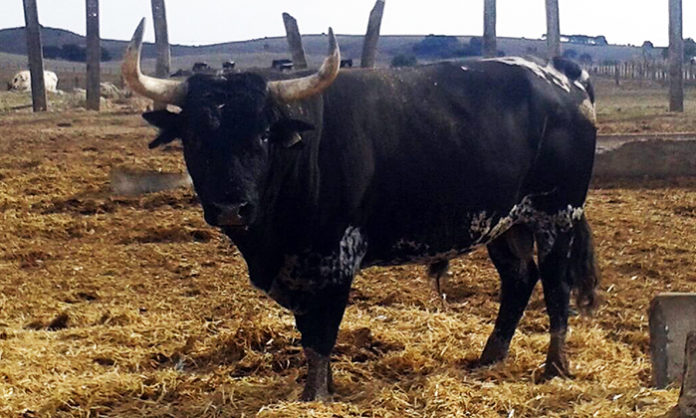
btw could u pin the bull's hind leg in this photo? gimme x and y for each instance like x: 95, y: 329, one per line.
x: 512, y: 254
x: 554, y: 264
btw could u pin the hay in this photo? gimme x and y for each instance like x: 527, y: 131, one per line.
x: 132, y: 306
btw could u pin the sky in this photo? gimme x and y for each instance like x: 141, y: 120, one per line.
x: 201, y: 22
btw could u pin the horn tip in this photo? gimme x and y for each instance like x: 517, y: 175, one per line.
x: 138, y: 34
x: 333, y: 44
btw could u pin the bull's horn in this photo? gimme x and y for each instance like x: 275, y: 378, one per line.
x: 159, y: 90
x: 302, y: 88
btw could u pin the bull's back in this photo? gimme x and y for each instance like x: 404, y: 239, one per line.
x: 419, y: 153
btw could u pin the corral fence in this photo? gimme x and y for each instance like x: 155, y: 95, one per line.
x: 641, y: 70
x: 70, y: 75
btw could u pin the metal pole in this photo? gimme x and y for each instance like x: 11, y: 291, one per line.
x: 164, y: 56
x: 490, y: 48
x: 93, y: 55
x: 35, y: 54
x: 294, y: 42
x: 369, y: 52
x: 676, y: 57
x: 553, y: 29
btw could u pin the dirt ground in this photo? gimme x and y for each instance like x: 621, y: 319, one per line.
x: 123, y: 306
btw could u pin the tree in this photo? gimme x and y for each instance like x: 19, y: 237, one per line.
x: 585, y: 58
x: 570, y: 53
x: 648, y: 45
x: 52, y: 52
x: 689, y: 48
x: 475, y: 46
x: 404, y: 60
x: 105, y: 54
x: 73, y: 52
x: 601, y: 40
x: 441, y: 46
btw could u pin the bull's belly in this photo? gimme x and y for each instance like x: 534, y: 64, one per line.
x: 470, y: 230
x: 413, y: 252
x: 442, y: 242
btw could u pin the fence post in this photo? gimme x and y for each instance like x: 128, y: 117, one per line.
x: 553, y: 29
x: 369, y: 52
x: 676, y: 57
x: 93, y: 55
x: 164, y: 57
x: 35, y: 54
x: 490, y: 47
x: 294, y: 42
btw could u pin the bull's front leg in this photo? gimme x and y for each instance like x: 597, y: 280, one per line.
x: 319, y: 329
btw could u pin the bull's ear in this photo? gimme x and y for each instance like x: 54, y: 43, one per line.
x: 288, y: 131
x: 168, y: 124
x: 162, y: 119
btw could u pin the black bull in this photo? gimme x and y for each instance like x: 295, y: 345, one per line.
x: 387, y: 167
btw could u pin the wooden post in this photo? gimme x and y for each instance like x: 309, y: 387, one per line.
x: 369, y: 52
x: 553, y: 29
x: 490, y: 47
x: 35, y: 54
x: 93, y: 54
x: 294, y: 42
x: 676, y: 57
x: 164, y: 56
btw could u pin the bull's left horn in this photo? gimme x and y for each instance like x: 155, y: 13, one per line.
x: 159, y: 90
x: 302, y: 88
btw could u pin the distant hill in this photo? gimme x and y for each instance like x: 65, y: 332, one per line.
x: 259, y: 52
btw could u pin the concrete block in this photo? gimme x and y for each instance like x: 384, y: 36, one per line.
x: 637, y: 157
x: 672, y: 317
x: 134, y: 182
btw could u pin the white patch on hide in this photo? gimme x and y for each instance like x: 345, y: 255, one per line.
x: 548, y: 73
x: 587, y: 109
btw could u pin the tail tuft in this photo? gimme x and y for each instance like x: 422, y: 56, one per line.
x: 583, y: 268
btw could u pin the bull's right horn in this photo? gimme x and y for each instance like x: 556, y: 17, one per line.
x: 159, y: 90
x: 304, y: 87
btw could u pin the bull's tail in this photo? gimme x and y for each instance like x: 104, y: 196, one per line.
x: 583, y: 270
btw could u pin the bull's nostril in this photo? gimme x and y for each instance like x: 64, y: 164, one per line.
x: 230, y: 214
x: 244, y: 210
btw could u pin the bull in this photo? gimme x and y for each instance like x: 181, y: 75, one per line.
x: 318, y: 175
x: 22, y: 81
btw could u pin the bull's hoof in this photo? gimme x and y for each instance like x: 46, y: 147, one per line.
x: 310, y: 394
x: 556, y: 369
x: 494, y: 352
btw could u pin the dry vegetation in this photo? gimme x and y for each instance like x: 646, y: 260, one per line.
x: 122, y: 306
x: 637, y: 107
